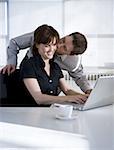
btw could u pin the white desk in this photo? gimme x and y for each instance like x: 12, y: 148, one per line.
x: 97, y: 124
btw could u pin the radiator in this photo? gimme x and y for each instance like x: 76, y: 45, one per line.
x: 97, y: 75
x: 89, y: 76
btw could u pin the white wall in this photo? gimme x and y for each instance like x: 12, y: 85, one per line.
x: 3, y: 33
x: 94, y: 18
x: 26, y: 16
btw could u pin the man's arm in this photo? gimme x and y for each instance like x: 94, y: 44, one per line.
x: 80, y: 79
x: 73, y: 65
x: 15, y: 45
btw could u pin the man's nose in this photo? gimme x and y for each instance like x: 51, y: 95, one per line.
x: 61, y: 44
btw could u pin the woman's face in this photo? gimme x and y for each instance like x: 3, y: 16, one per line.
x: 47, y: 50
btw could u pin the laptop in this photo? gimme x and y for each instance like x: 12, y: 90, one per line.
x: 101, y: 95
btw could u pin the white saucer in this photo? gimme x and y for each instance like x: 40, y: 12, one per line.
x: 67, y: 118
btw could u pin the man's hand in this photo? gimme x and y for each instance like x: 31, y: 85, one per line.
x: 88, y: 91
x: 8, y: 69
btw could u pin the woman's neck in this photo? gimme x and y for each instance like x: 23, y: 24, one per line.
x: 47, y: 66
x: 46, y: 61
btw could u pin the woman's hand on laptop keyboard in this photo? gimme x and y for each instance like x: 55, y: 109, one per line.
x: 76, y: 97
x: 79, y: 98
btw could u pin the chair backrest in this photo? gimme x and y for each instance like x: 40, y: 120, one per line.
x: 3, y: 90
x: 13, y: 91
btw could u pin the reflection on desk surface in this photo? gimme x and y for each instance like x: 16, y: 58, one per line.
x: 13, y: 135
x: 96, y: 125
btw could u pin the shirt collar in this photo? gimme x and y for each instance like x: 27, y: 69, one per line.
x: 40, y: 61
x: 62, y: 57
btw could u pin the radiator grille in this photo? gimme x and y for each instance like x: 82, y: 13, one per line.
x: 96, y: 76
x: 90, y: 76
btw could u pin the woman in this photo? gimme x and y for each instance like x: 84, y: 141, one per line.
x: 42, y: 76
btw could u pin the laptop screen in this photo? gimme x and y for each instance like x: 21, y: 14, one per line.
x: 102, y: 93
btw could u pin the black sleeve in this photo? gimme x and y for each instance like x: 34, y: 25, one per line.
x: 27, y: 70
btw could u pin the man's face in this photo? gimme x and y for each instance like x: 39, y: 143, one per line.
x: 65, y: 46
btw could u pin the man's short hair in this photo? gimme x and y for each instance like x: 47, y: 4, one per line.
x: 79, y: 43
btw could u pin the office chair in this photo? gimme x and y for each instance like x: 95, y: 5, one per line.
x: 13, y: 92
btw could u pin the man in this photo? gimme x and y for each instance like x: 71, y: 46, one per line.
x: 68, y: 56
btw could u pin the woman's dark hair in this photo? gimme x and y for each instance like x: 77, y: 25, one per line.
x: 79, y: 43
x: 44, y: 34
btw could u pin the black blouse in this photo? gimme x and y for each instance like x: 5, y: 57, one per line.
x: 34, y: 68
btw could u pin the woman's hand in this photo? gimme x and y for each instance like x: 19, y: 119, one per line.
x: 79, y: 98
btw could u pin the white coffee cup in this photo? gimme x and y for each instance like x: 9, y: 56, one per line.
x: 64, y: 111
